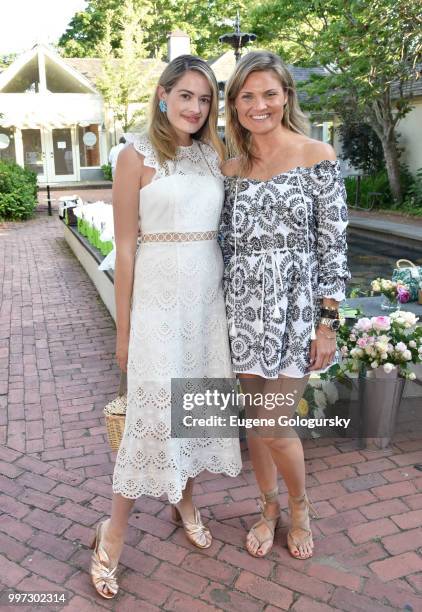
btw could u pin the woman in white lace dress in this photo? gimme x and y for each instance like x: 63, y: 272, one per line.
x: 169, y: 303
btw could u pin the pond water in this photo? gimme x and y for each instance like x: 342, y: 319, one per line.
x: 370, y: 258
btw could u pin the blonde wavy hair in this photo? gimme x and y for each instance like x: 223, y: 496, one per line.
x: 238, y: 139
x: 160, y: 131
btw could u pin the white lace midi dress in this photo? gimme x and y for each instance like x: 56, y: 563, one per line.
x: 178, y: 325
x: 284, y: 246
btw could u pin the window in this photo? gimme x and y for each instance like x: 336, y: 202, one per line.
x: 316, y: 131
x: 32, y: 150
x: 89, y: 154
x: 61, y: 81
x: 7, y: 149
x: 27, y: 80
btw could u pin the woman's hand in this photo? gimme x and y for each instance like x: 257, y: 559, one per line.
x: 122, y: 350
x: 323, y: 348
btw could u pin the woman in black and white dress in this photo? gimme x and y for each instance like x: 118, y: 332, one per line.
x: 284, y: 244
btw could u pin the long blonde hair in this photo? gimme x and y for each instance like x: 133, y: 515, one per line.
x: 238, y: 139
x: 160, y: 130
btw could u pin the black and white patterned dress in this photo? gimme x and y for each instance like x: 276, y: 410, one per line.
x: 284, y: 247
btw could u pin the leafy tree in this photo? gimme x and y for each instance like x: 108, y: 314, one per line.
x: 125, y: 81
x: 203, y: 20
x: 361, y: 147
x: 370, y: 51
x: 6, y: 60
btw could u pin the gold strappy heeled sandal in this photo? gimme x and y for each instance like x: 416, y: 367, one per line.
x: 299, y: 515
x: 270, y: 523
x: 102, y: 575
x: 195, y: 530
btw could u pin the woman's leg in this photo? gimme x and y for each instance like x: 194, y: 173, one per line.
x: 278, y: 450
x: 264, y: 468
x: 196, y: 532
x: 287, y: 453
x: 115, y: 527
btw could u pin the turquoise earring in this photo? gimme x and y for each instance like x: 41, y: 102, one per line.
x: 162, y: 106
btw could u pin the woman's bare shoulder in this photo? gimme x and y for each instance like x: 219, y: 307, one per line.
x: 129, y: 155
x: 231, y: 167
x: 315, y: 151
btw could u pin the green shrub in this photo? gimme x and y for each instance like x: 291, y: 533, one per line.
x: 375, y: 183
x: 378, y: 183
x: 18, y: 191
x: 413, y: 195
x: 106, y: 168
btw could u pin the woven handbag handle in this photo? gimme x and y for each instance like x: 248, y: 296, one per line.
x: 409, y: 264
x: 123, y: 383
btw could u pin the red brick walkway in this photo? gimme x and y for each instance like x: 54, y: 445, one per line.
x: 57, y: 371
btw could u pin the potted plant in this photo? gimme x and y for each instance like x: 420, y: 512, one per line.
x: 380, y: 351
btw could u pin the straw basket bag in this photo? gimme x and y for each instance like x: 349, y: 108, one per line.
x: 115, y: 414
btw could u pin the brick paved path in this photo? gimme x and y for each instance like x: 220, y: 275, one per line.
x: 55, y: 474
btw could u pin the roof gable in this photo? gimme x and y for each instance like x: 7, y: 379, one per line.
x: 42, y: 70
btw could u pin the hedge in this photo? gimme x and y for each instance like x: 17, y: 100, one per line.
x: 18, y: 191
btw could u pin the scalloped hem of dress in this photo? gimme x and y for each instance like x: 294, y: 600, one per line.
x: 143, y: 490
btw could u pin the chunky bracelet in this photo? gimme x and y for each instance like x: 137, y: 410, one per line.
x: 330, y: 313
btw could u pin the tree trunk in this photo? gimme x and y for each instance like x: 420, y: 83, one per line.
x: 382, y: 122
x: 391, y: 156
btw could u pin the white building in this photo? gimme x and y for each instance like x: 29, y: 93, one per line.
x: 52, y: 117
x: 54, y: 122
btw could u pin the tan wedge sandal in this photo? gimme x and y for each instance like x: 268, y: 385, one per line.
x: 300, y: 533
x: 270, y: 523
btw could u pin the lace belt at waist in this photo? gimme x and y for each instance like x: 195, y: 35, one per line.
x: 178, y: 236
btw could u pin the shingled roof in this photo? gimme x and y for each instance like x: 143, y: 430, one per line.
x: 91, y: 67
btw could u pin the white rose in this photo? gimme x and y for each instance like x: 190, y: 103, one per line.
x: 412, y: 344
x: 374, y: 364
x: 330, y: 391
x: 384, y: 356
x: 320, y: 399
x: 319, y: 413
x: 412, y: 376
x: 407, y: 355
x: 388, y: 367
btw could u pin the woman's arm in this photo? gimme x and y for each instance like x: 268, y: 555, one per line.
x: 331, y: 223
x: 126, y: 187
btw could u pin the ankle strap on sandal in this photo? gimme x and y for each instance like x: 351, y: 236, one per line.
x: 308, y: 503
x: 270, y: 495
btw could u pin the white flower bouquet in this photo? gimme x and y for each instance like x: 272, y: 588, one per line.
x: 387, y: 342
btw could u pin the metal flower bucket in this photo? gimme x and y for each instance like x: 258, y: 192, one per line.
x: 380, y: 395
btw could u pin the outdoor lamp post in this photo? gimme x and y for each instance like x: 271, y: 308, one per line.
x: 237, y: 39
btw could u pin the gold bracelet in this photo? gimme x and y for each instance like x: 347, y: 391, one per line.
x: 328, y: 337
x: 333, y: 308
